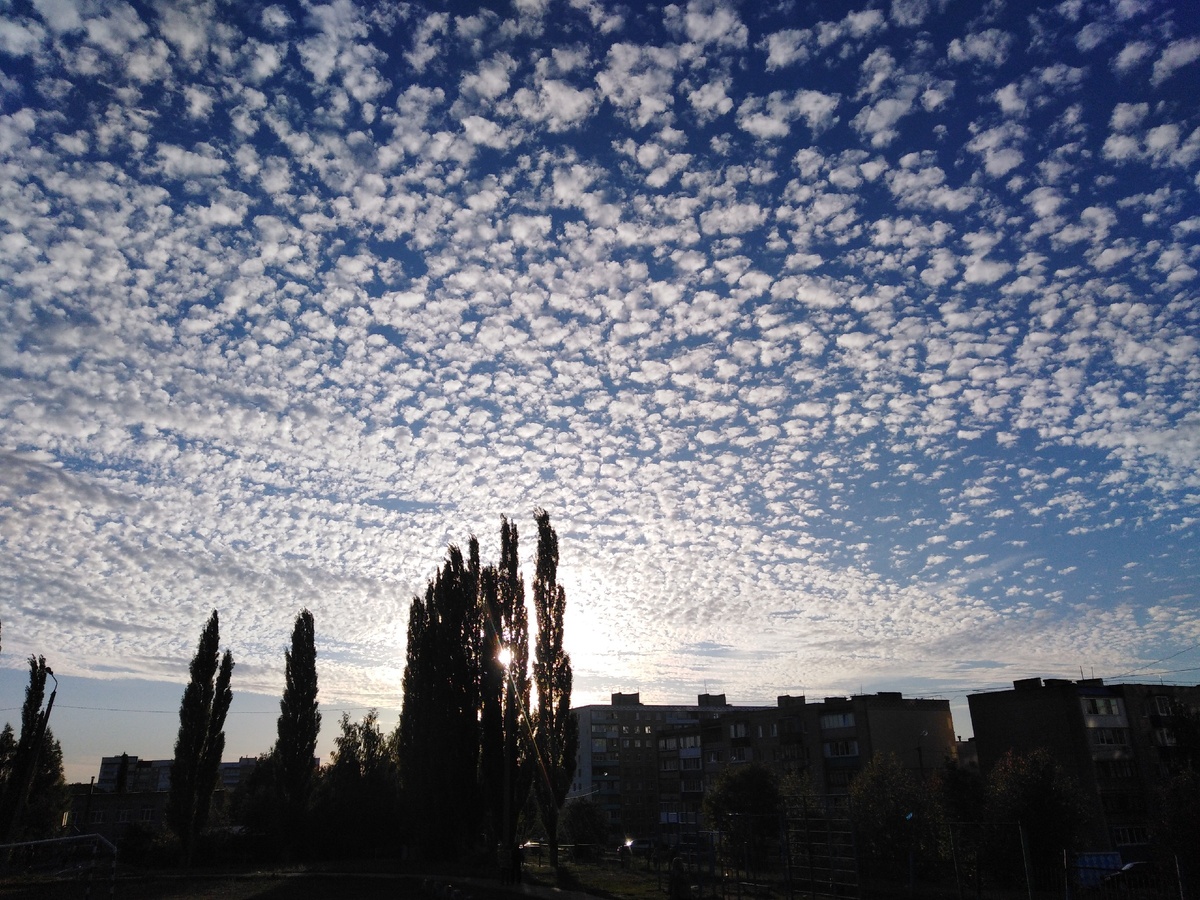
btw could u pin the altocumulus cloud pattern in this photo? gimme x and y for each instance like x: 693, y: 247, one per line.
x: 848, y: 345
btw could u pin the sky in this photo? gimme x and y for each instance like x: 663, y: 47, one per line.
x: 850, y: 346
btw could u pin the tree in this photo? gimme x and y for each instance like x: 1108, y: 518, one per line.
x: 298, y: 726
x: 439, y: 721
x: 556, y: 734
x: 514, y: 637
x: 895, y: 821
x: 1032, y: 790
x: 744, y: 803
x: 31, y: 772
x: 358, y: 799
x: 201, y: 739
x: 583, y: 821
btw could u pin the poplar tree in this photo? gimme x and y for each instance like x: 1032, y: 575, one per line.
x: 439, y: 720
x: 31, y: 782
x: 556, y: 734
x: 201, y: 739
x: 299, y: 721
x: 514, y: 640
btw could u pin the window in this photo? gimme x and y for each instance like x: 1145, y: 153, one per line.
x: 122, y: 815
x: 837, y: 720
x: 97, y: 817
x: 712, y: 756
x: 1124, y: 835
x: 1164, y: 737
x: 1162, y: 705
x: 839, y: 749
x: 691, y: 763
x: 737, y: 754
x: 1101, y: 706
x: 668, y: 765
x: 1110, y: 737
x: 669, y: 743
x: 1115, y: 768
x: 737, y: 730
x: 693, y: 785
x: 1120, y: 803
x: 838, y: 778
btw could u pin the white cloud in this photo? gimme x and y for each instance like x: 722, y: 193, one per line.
x: 990, y: 47
x: 708, y: 22
x: 1132, y: 54
x: 19, y: 38
x: 772, y: 117
x: 785, y: 48
x: 1176, y: 56
x: 639, y: 81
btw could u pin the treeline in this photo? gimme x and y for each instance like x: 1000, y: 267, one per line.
x: 1022, y: 820
x: 472, y: 759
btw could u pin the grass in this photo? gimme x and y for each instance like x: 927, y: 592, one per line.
x: 604, y: 880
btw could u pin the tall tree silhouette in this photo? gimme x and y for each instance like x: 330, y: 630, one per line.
x: 201, y: 739
x: 514, y: 641
x: 491, y: 696
x: 298, y: 726
x: 439, y: 720
x: 556, y: 735
x: 31, y: 765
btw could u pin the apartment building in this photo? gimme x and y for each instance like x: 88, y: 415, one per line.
x: 128, y: 790
x: 648, y: 766
x: 617, y: 762
x: 1118, y: 742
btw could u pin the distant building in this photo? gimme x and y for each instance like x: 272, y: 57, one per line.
x: 1116, y: 741
x: 649, y: 766
x: 129, y: 789
x: 617, y: 762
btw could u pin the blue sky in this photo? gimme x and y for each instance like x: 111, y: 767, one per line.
x: 850, y: 347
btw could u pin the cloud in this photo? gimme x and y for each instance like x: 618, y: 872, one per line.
x: 990, y: 47
x: 292, y: 301
x: 1176, y: 56
x: 771, y: 117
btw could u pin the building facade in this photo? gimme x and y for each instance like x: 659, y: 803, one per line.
x: 1117, y: 742
x: 128, y: 790
x: 649, y: 766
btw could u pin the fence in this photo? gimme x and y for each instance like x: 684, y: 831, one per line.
x: 814, y: 851
x: 87, y: 860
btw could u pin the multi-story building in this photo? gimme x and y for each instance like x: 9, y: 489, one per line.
x: 1117, y: 742
x: 649, y: 766
x: 129, y: 790
x: 617, y: 762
